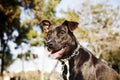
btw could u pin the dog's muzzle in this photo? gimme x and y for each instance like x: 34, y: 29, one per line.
x: 49, y: 44
x: 56, y: 53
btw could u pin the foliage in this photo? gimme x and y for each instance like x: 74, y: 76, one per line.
x: 28, y: 55
x: 71, y: 15
x: 99, y: 24
x: 10, y: 12
x: 9, y: 17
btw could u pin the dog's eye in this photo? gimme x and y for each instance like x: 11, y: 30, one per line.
x: 62, y: 32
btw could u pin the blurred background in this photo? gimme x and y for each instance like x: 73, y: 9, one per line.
x: 22, y: 52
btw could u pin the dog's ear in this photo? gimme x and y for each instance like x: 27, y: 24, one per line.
x: 71, y: 25
x: 45, y: 25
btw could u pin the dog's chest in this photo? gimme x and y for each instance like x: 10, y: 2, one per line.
x: 68, y: 67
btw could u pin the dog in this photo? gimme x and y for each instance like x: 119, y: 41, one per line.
x: 82, y: 64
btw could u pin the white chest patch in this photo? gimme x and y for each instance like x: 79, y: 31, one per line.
x: 68, y: 73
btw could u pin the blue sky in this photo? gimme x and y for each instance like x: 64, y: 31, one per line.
x: 70, y: 4
x: 76, y: 4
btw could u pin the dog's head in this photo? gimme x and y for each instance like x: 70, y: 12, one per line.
x: 60, y: 39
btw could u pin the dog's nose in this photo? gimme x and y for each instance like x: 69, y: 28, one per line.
x: 49, y: 44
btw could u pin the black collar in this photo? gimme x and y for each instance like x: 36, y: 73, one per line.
x: 76, y: 52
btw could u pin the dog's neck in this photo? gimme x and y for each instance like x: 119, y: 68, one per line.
x: 66, y: 63
x: 76, y: 52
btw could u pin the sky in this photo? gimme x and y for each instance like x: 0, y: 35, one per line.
x: 76, y: 4
x: 69, y: 5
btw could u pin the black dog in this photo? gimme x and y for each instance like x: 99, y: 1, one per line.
x: 82, y: 64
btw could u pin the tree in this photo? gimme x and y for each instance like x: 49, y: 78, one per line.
x: 10, y: 21
x: 98, y: 25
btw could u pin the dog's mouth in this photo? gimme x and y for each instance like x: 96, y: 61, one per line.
x: 56, y: 54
